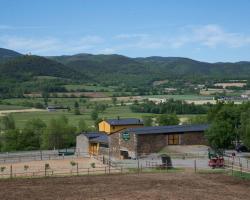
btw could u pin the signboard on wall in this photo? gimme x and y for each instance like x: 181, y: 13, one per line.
x: 126, y: 136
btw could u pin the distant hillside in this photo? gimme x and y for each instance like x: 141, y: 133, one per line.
x: 117, y: 69
x: 25, y: 67
x: 6, y: 54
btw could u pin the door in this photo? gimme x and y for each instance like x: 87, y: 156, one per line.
x: 93, y: 149
x: 173, y: 139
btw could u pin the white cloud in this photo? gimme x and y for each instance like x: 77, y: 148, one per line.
x: 213, y: 35
x: 50, y: 45
x: 107, y: 51
x: 210, y: 35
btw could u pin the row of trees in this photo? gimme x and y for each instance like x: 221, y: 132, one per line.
x: 58, y: 133
x: 169, y: 107
x: 229, y: 125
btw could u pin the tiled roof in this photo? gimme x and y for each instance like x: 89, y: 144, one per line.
x: 101, y: 137
x: 169, y: 129
x: 125, y: 121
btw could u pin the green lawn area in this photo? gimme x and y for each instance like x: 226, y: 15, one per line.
x: 11, y: 107
x: 111, y: 112
x: 22, y: 118
x: 89, y: 87
x: 123, y: 112
x: 85, y: 104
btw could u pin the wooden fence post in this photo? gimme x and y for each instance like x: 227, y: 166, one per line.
x: 138, y: 166
x: 232, y: 168
x: 77, y: 170
x: 11, y: 172
x: 45, y: 170
x: 195, y: 167
x: 241, y: 169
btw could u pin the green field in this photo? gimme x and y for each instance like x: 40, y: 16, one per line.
x: 86, y: 107
x: 11, y: 107
x: 93, y: 88
x: 111, y: 112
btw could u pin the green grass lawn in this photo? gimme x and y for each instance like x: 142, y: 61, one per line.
x: 111, y: 112
x: 22, y: 118
x: 11, y: 107
x: 89, y: 87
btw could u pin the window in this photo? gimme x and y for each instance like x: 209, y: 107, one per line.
x: 173, y: 139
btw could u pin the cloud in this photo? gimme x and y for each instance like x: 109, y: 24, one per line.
x: 107, y: 51
x: 210, y: 36
x: 214, y: 35
x: 8, y: 27
x: 192, y: 37
x: 50, y: 45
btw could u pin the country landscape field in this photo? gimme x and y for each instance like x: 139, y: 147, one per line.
x: 124, y: 99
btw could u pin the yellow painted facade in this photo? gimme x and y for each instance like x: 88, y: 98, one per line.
x: 107, y: 128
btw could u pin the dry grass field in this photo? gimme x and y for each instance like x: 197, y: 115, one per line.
x: 165, y: 186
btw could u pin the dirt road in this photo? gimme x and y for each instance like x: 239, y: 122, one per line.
x: 165, y: 186
x: 5, y: 112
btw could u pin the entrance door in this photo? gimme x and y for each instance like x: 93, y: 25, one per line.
x: 124, y: 155
x: 93, y: 148
x: 173, y: 139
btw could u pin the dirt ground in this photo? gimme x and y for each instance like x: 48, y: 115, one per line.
x: 62, y: 165
x: 182, y: 185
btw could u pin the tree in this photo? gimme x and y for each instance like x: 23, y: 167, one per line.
x: 197, y: 120
x: 94, y: 115
x: 59, y: 134
x: 225, y: 124
x: 97, y: 121
x: 30, y: 136
x: 147, y: 120
x: 7, y: 123
x: 165, y: 120
x: 245, y: 127
x: 10, y: 140
x: 114, y: 100
x: 82, y: 126
x: 77, y: 109
x: 220, y: 135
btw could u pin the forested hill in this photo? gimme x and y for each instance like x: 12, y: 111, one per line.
x: 25, y: 67
x: 114, y: 69
x: 117, y: 69
x: 6, y: 54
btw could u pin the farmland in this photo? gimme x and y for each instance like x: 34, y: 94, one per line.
x: 145, y: 186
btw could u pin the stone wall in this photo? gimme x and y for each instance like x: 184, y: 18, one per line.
x: 82, y: 145
x: 117, y: 143
x: 196, y: 138
x: 151, y: 143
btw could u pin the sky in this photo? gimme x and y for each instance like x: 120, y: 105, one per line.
x: 205, y: 30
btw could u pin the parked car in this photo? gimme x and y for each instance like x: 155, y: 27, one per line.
x: 241, y: 148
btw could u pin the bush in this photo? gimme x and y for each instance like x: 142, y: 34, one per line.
x: 92, y: 165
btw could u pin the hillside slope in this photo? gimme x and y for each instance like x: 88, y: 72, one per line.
x: 117, y: 69
x: 6, y: 54
x: 25, y: 67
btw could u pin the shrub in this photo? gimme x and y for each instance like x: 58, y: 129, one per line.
x: 92, y: 165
